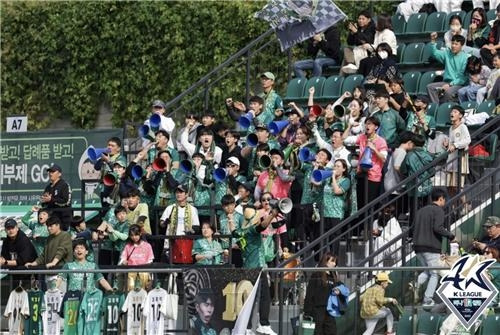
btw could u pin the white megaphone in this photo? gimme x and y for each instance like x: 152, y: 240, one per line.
x: 284, y: 205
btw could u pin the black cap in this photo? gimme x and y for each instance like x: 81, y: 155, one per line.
x: 10, y: 223
x: 276, y: 152
x: 182, y: 188
x: 292, y: 111
x: 260, y: 125
x: 54, y: 167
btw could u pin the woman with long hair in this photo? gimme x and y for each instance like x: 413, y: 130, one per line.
x: 326, y: 296
x: 478, y: 32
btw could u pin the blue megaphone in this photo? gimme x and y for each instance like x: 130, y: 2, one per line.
x: 137, y: 172
x: 252, y: 140
x: 155, y: 122
x: 276, y: 127
x: 146, y: 132
x: 96, y: 153
x: 306, y: 155
x: 319, y: 175
x: 186, y: 166
x: 220, y: 175
x: 245, y: 120
x: 366, y: 160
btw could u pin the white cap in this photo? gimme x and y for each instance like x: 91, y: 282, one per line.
x: 233, y: 160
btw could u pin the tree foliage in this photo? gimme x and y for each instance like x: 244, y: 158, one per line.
x: 62, y: 60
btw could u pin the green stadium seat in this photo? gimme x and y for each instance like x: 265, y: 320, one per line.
x: 469, y: 105
x: 351, y: 82
x: 413, y: 53
x: 435, y: 22
x: 400, y: 51
x: 411, y: 80
x: 427, y: 52
x: 405, y: 324
x: 466, y: 21
x: 332, y: 88
x: 443, y: 115
x: 491, y: 15
x: 318, y: 83
x: 492, y: 149
x: 490, y: 325
x: 428, y: 324
x: 426, y: 79
x: 416, y: 23
x: 460, y: 13
x: 398, y: 24
x: 432, y: 109
x: 487, y: 106
x: 295, y: 89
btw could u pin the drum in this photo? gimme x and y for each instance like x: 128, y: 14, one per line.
x: 181, y: 251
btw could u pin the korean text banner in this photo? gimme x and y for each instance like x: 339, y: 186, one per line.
x: 26, y: 158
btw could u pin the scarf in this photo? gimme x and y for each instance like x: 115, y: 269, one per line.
x: 174, y: 216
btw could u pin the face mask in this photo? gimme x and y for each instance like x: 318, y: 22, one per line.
x: 383, y: 54
x: 455, y: 27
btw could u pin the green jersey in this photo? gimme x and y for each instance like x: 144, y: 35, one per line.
x: 111, y: 305
x: 89, y: 318
x: 71, y: 305
x: 75, y: 280
x: 33, y: 325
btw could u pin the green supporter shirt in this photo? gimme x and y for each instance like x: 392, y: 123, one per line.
x: 221, y: 189
x: 253, y: 164
x: 310, y: 192
x: 112, y: 304
x: 224, y: 228
x: 201, y: 197
x: 39, y: 232
x: 454, y: 65
x: 265, y: 117
x: 272, y: 102
x: 202, y: 246
x: 89, y: 318
x: 414, y: 161
x: 253, y: 251
x: 153, y: 152
x: 391, y: 124
x: 75, y: 280
x: 413, y: 124
x: 70, y: 307
x: 334, y: 205
x: 33, y: 324
x: 58, y: 246
x: 119, y: 235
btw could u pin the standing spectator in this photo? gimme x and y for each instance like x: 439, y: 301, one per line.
x: 206, y: 145
x: 272, y: 101
x: 231, y: 148
x: 372, y: 305
x: 106, y: 163
x: 256, y: 107
x: 324, y: 49
x: 57, y: 196
x: 58, y: 250
x: 138, y: 212
x: 455, y: 61
x: 428, y: 232
x: 492, y: 48
x: 359, y: 35
x: 337, y: 148
x: 190, y: 122
x: 79, y: 231
x: 38, y: 226
x: 115, y: 226
x: 207, y: 123
x: 275, y: 179
x: 478, y: 32
x: 167, y: 124
x: 162, y: 140
x: 230, y: 214
x: 355, y: 122
x: 385, y: 229
x: 320, y: 288
x: 392, y: 124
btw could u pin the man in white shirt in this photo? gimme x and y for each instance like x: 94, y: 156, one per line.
x: 166, y: 123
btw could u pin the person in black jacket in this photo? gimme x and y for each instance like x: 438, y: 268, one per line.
x: 57, y: 196
x: 319, y: 288
x: 361, y: 33
x: 324, y: 48
x: 428, y: 232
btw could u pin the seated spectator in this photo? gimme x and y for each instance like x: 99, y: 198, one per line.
x: 478, y: 75
x: 492, y: 48
x: 410, y: 7
x: 324, y: 49
x: 478, y: 32
x: 380, y: 69
x: 454, y: 61
x: 491, y: 238
x: 455, y: 24
x: 206, y: 250
x: 487, y: 91
x: 359, y: 35
x: 383, y: 34
x: 397, y: 96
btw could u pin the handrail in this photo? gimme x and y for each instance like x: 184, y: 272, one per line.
x: 370, y: 206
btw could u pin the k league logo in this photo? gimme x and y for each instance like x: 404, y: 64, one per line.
x: 467, y: 289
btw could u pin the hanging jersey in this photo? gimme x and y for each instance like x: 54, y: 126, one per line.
x: 133, y: 306
x: 52, y: 301
x: 33, y: 325
x: 89, y: 318
x: 69, y: 310
x: 17, y: 307
x: 155, y: 311
x: 112, y: 304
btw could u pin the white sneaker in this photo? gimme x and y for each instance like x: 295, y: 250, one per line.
x: 349, y: 68
x: 265, y: 330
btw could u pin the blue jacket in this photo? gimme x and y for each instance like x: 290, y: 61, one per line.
x: 333, y: 301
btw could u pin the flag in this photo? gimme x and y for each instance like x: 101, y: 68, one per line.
x: 295, y: 21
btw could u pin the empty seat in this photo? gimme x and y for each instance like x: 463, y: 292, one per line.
x: 427, y: 52
x: 426, y: 79
x: 435, y: 22
x: 491, y: 147
x: 351, y: 82
x: 413, y: 53
x: 428, y: 324
x: 490, y: 325
x: 398, y: 24
x: 416, y: 23
x: 443, y: 115
x: 317, y: 83
x: 487, y: 106
x: 332, y: 88
x: 400, y: 51
x: 469, y: 105
x: 295, y: 89
x: 411, y: 80
x: 432, y: 109
x: 405, y: 324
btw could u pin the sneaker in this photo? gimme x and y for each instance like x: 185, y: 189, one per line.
x: 349, y: 68
x: 249, y: 332
x: 428, y: 304
x: 390, y: 333
x: 265, y: 330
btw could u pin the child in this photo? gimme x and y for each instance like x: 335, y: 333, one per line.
x: 38, y: 227
x: 372, y: 305
x: 79, y: 231
x: 117, y: 231
x: 136, y: 252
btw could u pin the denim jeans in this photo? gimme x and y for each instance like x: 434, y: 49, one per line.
x: 429, y: 259
x: 315, y: 64
x: 384, y: 312
x: 468, y: 93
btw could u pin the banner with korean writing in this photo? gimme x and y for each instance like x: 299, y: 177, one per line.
x: 215, y: 297
x: 25, y: 159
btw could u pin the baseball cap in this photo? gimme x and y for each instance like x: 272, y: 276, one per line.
x: 54, y: 167
x: 10, y: 223
x: 159, y: 103
x: 383, y: 276
x: 233, y: 160
x: 260, y: 125
x: 291, y: 111
x: 120, y: 162
x: 491, y: 221
x: 182, y: 187
x: 268, y: 75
